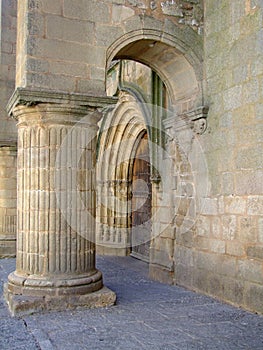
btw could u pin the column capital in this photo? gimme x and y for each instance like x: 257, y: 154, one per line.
x: 52, y: 114
x: 30, y: 97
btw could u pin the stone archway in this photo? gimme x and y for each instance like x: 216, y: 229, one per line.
x: 173, y: 122
x: 178, y: 67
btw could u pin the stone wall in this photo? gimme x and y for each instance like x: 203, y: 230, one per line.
x: 8, y: 195
x: 58, y: 46
x: 227, y: 258
x: 8, y: 132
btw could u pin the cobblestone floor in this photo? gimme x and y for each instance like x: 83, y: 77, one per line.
x: 148, y: 315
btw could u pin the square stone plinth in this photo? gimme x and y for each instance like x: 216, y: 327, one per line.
x: 20, y: 305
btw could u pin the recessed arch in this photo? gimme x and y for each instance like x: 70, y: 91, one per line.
x: 118, y: 135
x: 177, y: 62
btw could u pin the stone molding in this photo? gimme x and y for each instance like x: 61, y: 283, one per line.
x: 10, y: 144
x: 56, y: 114
x: 195, y: 120
x: 87, y: 283
x: 29, y: 97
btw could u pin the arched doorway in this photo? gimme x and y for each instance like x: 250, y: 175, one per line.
x: 141, y: 200
x: 125, y: 168
x: 119, y: 138
x: 171, y: 110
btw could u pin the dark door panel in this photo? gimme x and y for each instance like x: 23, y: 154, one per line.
x: 141, y: 202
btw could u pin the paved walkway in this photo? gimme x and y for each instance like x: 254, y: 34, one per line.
x: 148, y: 315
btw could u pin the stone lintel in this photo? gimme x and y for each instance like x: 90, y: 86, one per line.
x: 29, y: 97
x: 21, y: 305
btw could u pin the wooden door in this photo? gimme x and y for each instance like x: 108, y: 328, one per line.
x: 141, y: 202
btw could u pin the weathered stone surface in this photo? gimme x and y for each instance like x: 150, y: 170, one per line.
x: 260, y: 230
x: 8, y: 132
x: 235, y: 248
x: 69, y: 30
x: 255, y: 205
x: 121, y: 13
x: 161, y: 274
x: 249, y: 182
x: 218, y: 246
x: 247, y: 230
x: 8, y: 201
x: 255, y: 252
x: 209, y: 206
x: 253, y: 297
x: 234, y: 290
x: 229, y: 227
x: 235, y: 205
x: 83, y: 10
x: 250, y: 270
x: 21, y: 305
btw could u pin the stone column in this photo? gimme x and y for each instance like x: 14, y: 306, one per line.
x: 8, y: 194
x: 56, y: 211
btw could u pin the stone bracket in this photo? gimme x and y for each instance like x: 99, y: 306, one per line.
x: 199, y: 119
x: 195, y: 120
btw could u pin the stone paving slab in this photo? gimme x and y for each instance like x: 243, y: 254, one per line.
x: 148, y: 315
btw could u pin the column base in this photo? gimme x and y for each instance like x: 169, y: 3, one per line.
x: 26, y: 296
x: 21, y: 305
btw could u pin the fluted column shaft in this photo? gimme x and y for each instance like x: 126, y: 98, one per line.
x: 56, y: 201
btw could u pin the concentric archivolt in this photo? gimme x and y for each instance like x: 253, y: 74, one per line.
x: 118, y: 134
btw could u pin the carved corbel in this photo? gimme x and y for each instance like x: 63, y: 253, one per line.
x: 198, y: 118
x: 200, y: 126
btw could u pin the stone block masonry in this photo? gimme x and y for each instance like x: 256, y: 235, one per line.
x: 233, y: 147
x: 8, y: 16
x: 8, y: 201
